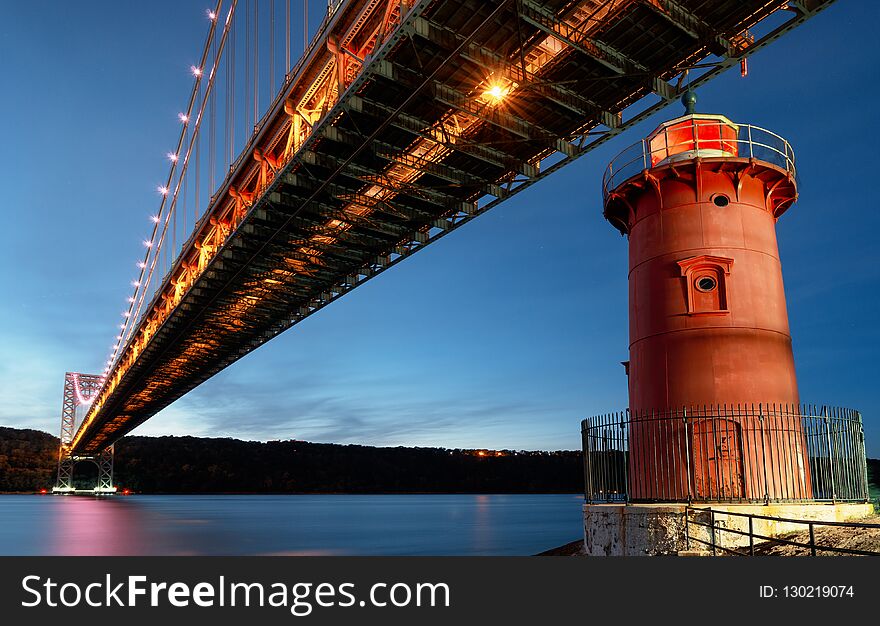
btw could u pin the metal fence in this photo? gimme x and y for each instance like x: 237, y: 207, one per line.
x: 718, y: 534
x: 730, y: 140
x: 741, y: 453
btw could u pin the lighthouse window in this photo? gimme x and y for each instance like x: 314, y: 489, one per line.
x: 720, y: 200
x: 706, y: 279
x: 706, y: 283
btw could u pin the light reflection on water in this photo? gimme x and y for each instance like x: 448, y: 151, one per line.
x: 289, y: 524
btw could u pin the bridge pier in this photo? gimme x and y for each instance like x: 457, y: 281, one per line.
x: 66, y: 463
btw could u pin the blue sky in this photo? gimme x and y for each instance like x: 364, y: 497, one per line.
x: 502, y: 335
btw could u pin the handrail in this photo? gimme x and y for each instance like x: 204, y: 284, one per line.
x: 751, y: 142
x: 811, y: 524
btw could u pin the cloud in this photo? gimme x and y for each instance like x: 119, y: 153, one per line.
x: 310, y: 406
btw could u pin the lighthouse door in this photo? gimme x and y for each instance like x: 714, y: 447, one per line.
x: 717, y: 459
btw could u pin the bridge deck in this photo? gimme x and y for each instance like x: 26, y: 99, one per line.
x: 385, y: 139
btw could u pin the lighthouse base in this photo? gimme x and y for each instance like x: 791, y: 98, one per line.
x: 667, y: 529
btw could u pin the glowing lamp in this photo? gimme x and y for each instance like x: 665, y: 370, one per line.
x: 496, y: 93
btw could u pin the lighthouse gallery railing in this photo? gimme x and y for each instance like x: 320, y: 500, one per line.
x: 729, y: 140
x: 739, y: 453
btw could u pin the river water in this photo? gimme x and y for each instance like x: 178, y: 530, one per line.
x: 288, y: 524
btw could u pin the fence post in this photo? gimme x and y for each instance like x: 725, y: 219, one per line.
x: 687, y: 452
x: 588, y: 467
x: 812, y: 541
x: 830, y: 457
x: 751, y: 538
x: 763, y: 451
x: 625, y: 452
x: 862, y: 462
x: 687, y: 528
x: 712, y: 530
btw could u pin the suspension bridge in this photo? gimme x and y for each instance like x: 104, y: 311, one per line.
x: 402, y: 120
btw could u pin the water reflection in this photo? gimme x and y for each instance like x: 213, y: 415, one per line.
x: 288, y: 525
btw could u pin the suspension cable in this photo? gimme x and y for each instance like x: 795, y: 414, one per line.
x: 193, y: 136
x: 256, y: 60
x: 140, y: 286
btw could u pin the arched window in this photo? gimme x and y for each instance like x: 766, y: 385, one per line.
x: 706, y: 277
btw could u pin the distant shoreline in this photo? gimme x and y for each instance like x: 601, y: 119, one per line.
x: 323, y: 493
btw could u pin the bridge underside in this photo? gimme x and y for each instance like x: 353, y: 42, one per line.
x: 463, y: 104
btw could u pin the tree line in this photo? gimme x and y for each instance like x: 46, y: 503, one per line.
x: 28, y: 462
x: 201, y: 465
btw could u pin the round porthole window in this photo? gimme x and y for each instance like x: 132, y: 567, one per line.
x: 719, y: 199
x: 706, y: 283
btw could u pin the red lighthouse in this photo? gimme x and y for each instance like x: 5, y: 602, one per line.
x: 708, y: 320
x: 699, y: 199
x: 713, y: 419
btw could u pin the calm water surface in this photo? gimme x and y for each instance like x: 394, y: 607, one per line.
x: 289, y: 525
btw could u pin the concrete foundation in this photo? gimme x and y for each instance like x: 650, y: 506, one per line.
x: 661, y: 529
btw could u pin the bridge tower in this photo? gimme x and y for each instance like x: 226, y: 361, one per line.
x: 714, y: 416
x: 79, y: 391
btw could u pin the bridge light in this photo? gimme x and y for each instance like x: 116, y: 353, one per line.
x: 126, y: 314
x: 131, y: 299
x: 196, y: 71
x: 147, y: 243
x: 135, y: 283
x: 154, y: 219
x: 183, y: 117
x: 172, y: 156
x: 162, y: 189
x: 211, y: 15
x: 496, y: 93
x: 141, y: 264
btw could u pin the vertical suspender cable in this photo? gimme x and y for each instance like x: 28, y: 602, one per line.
x: 231, y: 62
x: 183, y: 213
x: 212, y: 140
x: 256, y: 61
x: 305, y: 25
x: 225, y: 159
x: 197, y: 204
x: 287, y: 41
x: 247, y: 65
x: 271, y: 48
